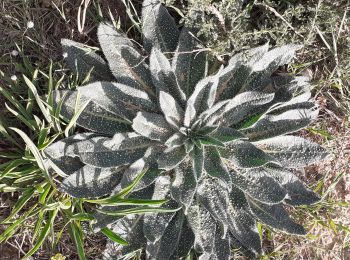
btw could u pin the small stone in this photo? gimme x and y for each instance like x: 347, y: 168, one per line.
x: 30, y: 24
x: 14, y: 53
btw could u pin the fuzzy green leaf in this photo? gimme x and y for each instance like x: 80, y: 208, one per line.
x: 268, y: 64
x: 226, y: 134
x: 298, y: 194
x: 184, y: 186
x: 83, y: 59
x: 214, y: 166
x: 176, y: 140
x: 234, y: 76
x: 198, y: 162
x: 172, y: 111
x: 126, y: 63
x: 245, y: 105
x: 208, y: 238
x: 203, y: 226
x: 176, y: 240
x: 214, y: 115
x: 222, y: 248
x: 184, y: 242
x: 155, y: 224
x: 259, y: 185
x: 245, y: 155
x: 110, y: 152
x: 236, y: 219
x: 152, y: 126
x: 292, y: 151
x: 276, y: 57
x: 202, y: 98
x: 91, y: 182
x: 93, y: 116
x: 299, y: 100
x: 59, y: 148
x: 210, y: 141
x: 275, y: 216
x: 275, y: 124
x: 286, y: 86
x: 158, y: 27
x: 189, y: 62
x: 163, y: 76
x: 171, y: 157
x: 117, y: 98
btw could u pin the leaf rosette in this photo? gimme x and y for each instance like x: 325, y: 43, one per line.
x: 217, y: 146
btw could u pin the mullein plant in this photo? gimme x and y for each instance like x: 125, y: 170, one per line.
x: 216, y: 148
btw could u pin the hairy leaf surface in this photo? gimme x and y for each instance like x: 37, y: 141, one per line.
x: 83, y: 59
x: 159, y: 28
x: 91, y: 182
x: 126, y: 63
x: 292, y: 151
x: 189, y: 62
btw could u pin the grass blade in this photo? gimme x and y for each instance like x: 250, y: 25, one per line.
x: 139, y: 210
x: 40, y: 103
x: 37, y: 226
x: 82, y: 217
x: 75, y: 118
x: 35, y: 153
x: 8, y: 137
x: 113, y: 236
x: 44, y: 233
x: 12, y: 165
x: 115, y: 201
x: 10, y: 97
x: 30, y: 123
x: 17, y: 224
x: 78, y: 239
x: 20, y: 204
x: 128, y: 189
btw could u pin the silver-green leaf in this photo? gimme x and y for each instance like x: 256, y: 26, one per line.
x: 172, y: 111
x: 235, y: 75
x: 152, y: 126
x: 171, y: 157
x: 175, y: 242
x: 189, y: 62
x: 184, y: 185
x: 120, y: 150
x: 292, y: 151
x: 275, y: 216
x: 118, y: 98
x: 259, y: 185
x: 244, y: 105
x: 158, y: 27
x: 236, y: 219
x: 298, y: 194
x: 276, y: 124
x: 202, y: 98
x: 91, y: 182
x: 245, y: 155
x: 126, y: 63
x: 93, y: 118
x: 214, y: 166
x: 83, y: 59
x: 163, y: 76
